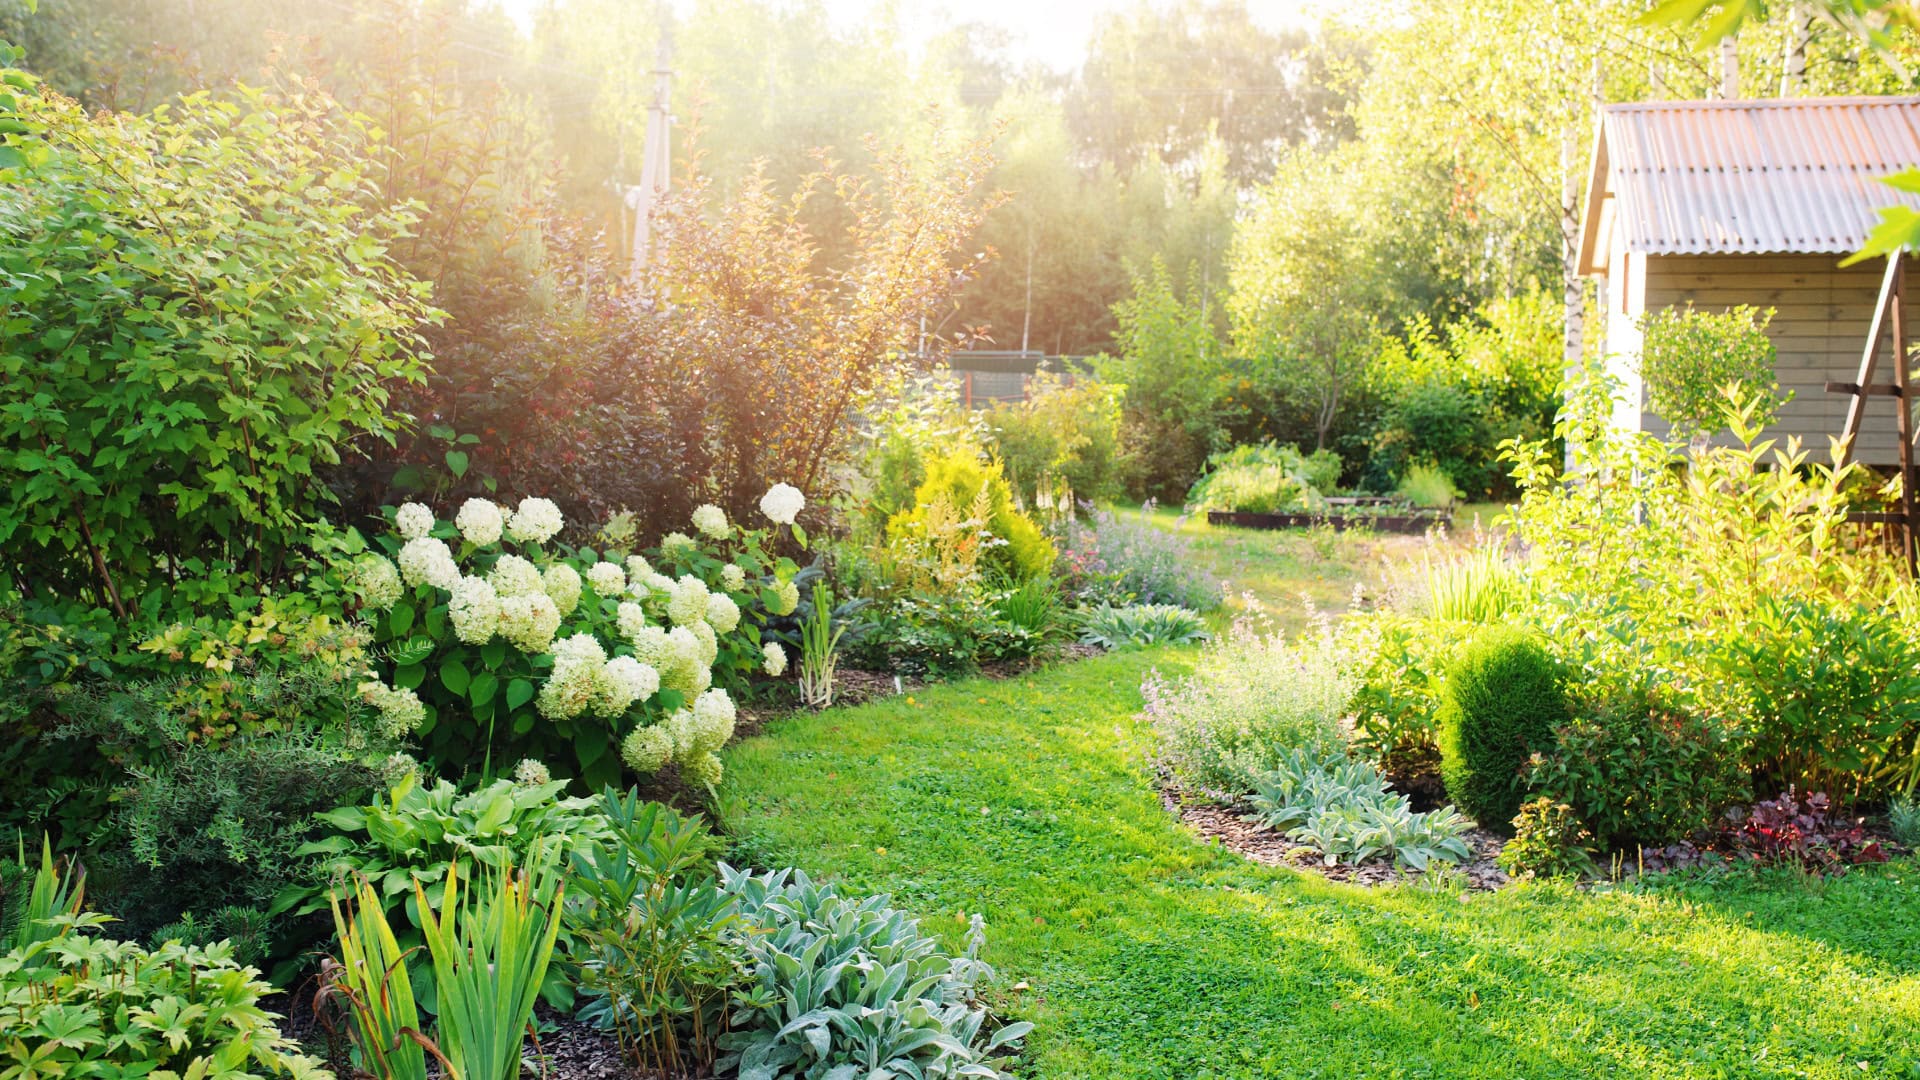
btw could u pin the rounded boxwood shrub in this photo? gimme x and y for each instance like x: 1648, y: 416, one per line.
x: 1501, y: 704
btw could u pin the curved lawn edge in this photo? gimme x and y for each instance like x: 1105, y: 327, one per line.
x: 1150, y: 953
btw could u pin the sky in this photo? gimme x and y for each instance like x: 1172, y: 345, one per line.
x: 1052, y: 32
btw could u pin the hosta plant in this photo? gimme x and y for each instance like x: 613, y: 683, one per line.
x: 505, y: 643
x: 843, y: 986
x: 1342, y: 809
x: 1139, y: 625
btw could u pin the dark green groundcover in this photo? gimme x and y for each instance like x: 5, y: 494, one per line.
x: 1148, y: 953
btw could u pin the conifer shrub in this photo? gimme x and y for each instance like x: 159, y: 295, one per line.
x: 1501, y: 704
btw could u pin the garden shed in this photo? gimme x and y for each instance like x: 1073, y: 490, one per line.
x: 1723, y: 203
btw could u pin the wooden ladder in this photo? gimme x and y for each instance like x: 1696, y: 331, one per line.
x: 1889, y: 314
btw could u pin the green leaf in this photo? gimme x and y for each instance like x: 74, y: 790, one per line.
x: 400, y: 620
x: 482, y: 690
x: 453, y: 675
x: 409, y: 676
x: 519, y: 692
x: 457, y: 461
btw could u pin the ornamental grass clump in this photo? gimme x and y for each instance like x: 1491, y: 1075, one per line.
x: 1502, y: 704
x: 1253, y: 697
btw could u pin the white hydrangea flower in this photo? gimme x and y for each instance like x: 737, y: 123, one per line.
x: 397, y: 767
x: 681, y: 668
x: 480, y: 522
x: 535, y: 521
x: 655, y: 583
x: 561, y: 583
x: 424, y: 560
x: 676, y: 543
x: 531, y: 773
x: 782, y: 504
x: 514, y: 576
x: 624, y: 681
x: 680, y: 726
x: 786, y: 598
x: 607, y: 579
x: 638, y: 569
x: 703, y: 769
x: 529, y: 622
x: 733, y: 577
x: 412, y: 521
x: 651, y: 644
x: 475, y: 610
x: 400, y: 709
x: 375, y: 580
x: 647, y: 749
x: 709, y: 643
x: 711, y: 520
x: 776, y: 659
x: 688, y: 605
x: 722, y: 613
x: 631, y: 620
x: 713, y: 719
x: 574, y: 685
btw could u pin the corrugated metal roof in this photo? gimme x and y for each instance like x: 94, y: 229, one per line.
x: 1782, y: 175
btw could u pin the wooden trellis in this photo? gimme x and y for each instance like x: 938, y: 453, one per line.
x: 1889, y: 319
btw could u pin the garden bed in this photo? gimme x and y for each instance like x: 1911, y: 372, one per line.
x: 1410, y: 523
x: 1241, y: 835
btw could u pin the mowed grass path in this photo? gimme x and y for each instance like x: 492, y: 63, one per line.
x: 1149, y: 953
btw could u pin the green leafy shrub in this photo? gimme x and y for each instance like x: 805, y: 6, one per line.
x: 214, y: 837
x: 1252, y: 699
x: 1032, y: 610
x: 1502, y: 703
x: 935, y: 634
x: 91, y: 1006
x: 1638, y: 770
x: 1827, y: 692
x: 1069, y: 433
x: 1398, y: 664
x: 1342, y: 809
x: 203, y: 313
x: 409, y: 840
x: 1548, y: 841
x: 1427, y: 486
x: 654, y: 937
x: 1017, y: 549
x: 1266, y: 479
x: 1688, y: 359
x: 841, y: 986
x: 1139, y: 625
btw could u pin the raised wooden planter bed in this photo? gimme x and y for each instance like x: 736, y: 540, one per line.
x: 1415, y: 522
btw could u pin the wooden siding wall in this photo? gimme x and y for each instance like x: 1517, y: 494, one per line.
x: 1821, y: 316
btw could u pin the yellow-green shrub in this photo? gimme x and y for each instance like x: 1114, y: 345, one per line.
x: 1022, y: 551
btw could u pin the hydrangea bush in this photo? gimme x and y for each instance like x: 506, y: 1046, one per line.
x: 502, y: 642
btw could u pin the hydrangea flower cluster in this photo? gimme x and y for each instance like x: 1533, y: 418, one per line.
x: 413, y: 521
x: 607, y: 579
x: 535, y: 521
x: 782, y: 504
x: 375, y: 581
x: 531, y: 773
x: 400, y: 710
x: 480, y: 522
x: 639, y: 633
x: 711, y: 521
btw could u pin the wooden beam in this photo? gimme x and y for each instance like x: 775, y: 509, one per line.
x: 1881, y: 390
x: 1896, y: 308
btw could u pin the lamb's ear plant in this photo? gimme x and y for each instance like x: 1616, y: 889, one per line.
x: 371, y: 978
x: 491, y: 945
x: 819, y: 639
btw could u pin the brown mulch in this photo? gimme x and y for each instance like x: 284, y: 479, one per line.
x: 575, y: 1051
x: 1226, y: 827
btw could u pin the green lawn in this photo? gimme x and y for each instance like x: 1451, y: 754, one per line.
x: 1151, y: 954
